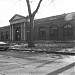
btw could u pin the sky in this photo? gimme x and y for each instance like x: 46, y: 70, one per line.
x: 8, y: 8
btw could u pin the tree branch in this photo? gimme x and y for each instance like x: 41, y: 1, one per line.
x: 29, y: 9
x: 37, y: 8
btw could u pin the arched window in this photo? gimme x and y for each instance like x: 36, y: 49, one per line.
x: 2, y: 36
x: 68, y: 32
x: 7, y: 35
x: 53, y: 33
x: 42, y: 33
x: 68, y: 26
x: 18, y: 34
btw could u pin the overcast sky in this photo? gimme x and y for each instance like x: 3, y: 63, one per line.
x: 8, y: 8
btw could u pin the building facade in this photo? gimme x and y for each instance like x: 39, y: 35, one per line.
x: 56, y: 28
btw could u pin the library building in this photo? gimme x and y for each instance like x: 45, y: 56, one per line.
x: 54, y: 28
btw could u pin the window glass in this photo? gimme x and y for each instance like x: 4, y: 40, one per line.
x: 2, y: 35
x: 68, y: 32
x: 42, y: 33
x: 53, y: 33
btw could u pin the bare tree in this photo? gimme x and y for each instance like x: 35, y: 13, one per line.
x: 31, y: 17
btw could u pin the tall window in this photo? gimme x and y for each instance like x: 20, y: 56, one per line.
x: 18, y: 34
x: 42, y: 33
x: 53, y: 33
x: 2, y: 36
x: 7, y: 35
x: 68, y: 32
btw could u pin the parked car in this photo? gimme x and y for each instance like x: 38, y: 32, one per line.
x: 4, y: 46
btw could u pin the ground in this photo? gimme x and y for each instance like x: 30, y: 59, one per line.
x: 28, y: 63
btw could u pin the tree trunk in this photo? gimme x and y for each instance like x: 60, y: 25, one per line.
x: 31, y: 32
x: 31, y: 17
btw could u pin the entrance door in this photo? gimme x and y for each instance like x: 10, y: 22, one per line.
x: 18, y: 34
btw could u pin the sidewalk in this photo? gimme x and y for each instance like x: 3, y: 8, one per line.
x: 70, y: 71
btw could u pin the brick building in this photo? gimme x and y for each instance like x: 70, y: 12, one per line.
x: 5, y: 33
x: 56, y: 28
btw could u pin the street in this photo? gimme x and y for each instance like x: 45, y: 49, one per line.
x: 27, y: 63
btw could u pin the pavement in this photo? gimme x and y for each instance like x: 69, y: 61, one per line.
x: 45, y: 64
